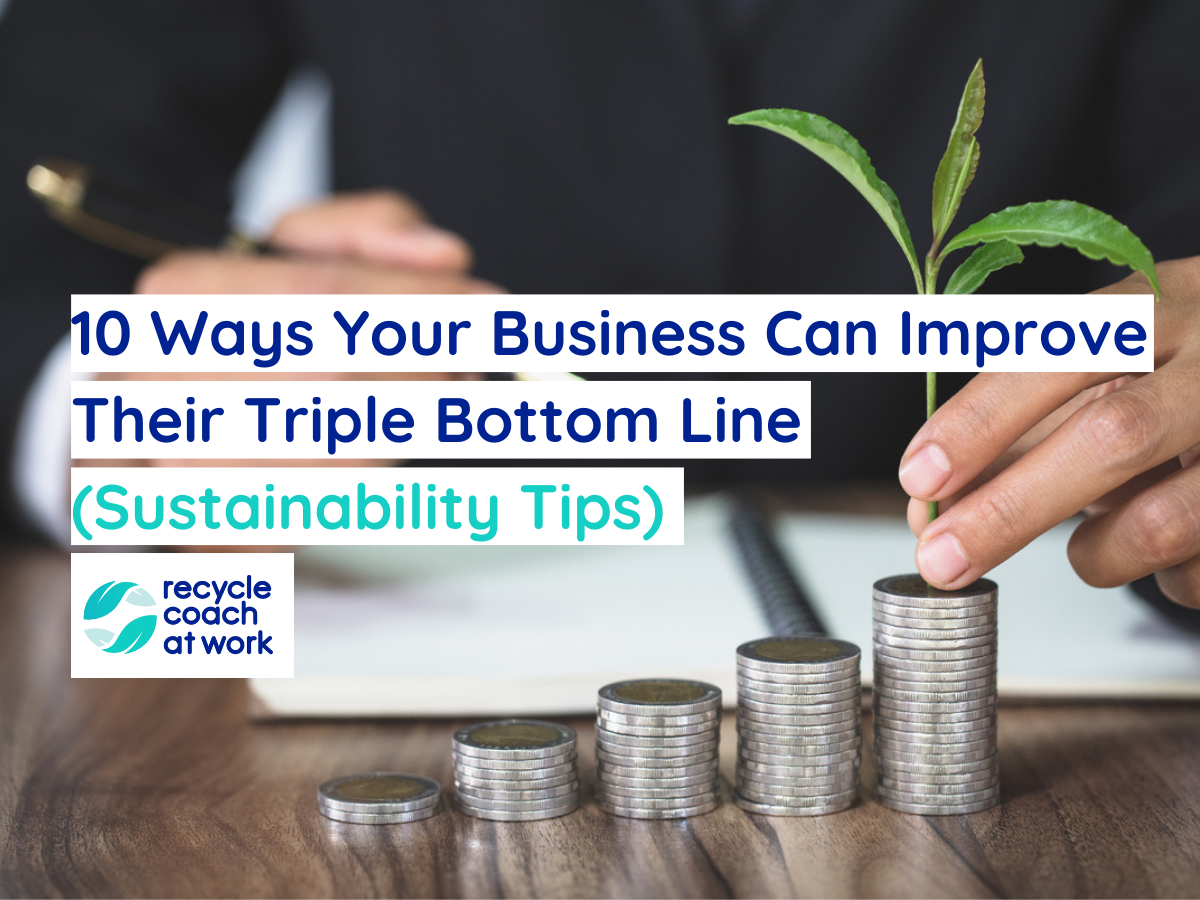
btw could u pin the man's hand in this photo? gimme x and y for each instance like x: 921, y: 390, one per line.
x: 373, y: 243
x: 1012, y: 455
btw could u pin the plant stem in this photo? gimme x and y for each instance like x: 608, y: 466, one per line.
x: 932, y: 263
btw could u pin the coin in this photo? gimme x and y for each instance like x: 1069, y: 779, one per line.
x: 656, y: 762
x: 956, y: 798
x: 523, y: 739
x: 618, y: 740
x: 908, y: 620
x: 379, y: 793
x: 605, y: 768
x: 811, y: 702
x: 967, y: 610
x: 771, y: 721
x: 665, y: 804
x: 791, y: 709
x: 612, y: 782
x: 515, y: 774
x: 804, y: 653
x: 820, y: 737
x: 497, y: 815
x: 531, y: 784
x: 515, y: 763
x: 398, y: 818
x: 783, y: 770
x: 535, y: 806
x: 919, y: 695
x: 814, y: 691
x: 940, y: 785
x: 837, y: 804
x: 475, y: 792
x: 824, y: 779
x: 624, y: 728
x: 815, y: 678
x: 637, y: 812
x: 661, y: 696
x: 645, y: 752
x: 799, y: 759
x: 628, y: 795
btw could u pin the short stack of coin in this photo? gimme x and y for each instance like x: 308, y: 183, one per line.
x: 935, y: 697
x: 799, y: 725
x: 657, y: 748
x: 379, y: 798
x: 516, y: 770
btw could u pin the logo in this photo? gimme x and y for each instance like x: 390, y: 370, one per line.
x: 120, y: 604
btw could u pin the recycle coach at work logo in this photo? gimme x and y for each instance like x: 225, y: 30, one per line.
x: 121, y: 606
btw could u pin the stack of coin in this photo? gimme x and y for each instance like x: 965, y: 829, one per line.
x: 657, y: 748
x: 935, y: 697
x: 379, y: 798
x: 799, y: 725
x: 516, y: 770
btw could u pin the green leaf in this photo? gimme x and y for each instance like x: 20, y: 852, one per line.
x: 101, y: 637
x: 837, y: 147
x: 139, y: 597
x: 1052, y: 223
x: 970, y: 276
x: 133, y: 635
x: 957, y: 168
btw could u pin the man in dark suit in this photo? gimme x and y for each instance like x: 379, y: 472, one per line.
x: 582, y: 147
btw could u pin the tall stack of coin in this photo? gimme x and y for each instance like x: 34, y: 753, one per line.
x: 799, y: 725
x: 516, y: 770
x: 657, y: 744
x: 379, y: 798
x: 935, y: 697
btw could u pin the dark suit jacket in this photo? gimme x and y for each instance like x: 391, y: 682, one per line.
x: 582, y: 146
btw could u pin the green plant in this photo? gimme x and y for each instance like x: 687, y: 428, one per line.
x: 999, y: 237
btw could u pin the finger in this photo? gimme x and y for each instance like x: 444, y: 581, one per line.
x: 380, y: 226
x: 994, y: 409
x: 1107, y: 442
x: 1157, y: 529
x: 196, y: 272
x: 1181, y: 583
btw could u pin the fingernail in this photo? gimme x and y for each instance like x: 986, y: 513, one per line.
x: 941, y: 559
x: 923, y: 475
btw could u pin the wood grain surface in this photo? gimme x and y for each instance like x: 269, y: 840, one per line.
x: 164, y: 789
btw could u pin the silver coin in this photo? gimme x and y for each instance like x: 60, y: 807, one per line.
x: 910, y: 734
x: 519, y: 776
x: 778, y: 748
x: 531, y: 784
x: 823, y: 780
x: 396, y: 818
x: 377, y: 793
x: 815, y: 724
x: 792, y: 736
x: 631, y: 812
x: 767, y: 809
x: 792, y: 709
x: 472, y: 792
x: 512, y: 765
x: 954, y: 652
x: 798, y: 760
x: 966, y: 610
x: 896, y: 706
x: 666, y: 803
x: 939, y: 787
x: 938, y: 723
x: 913, y: 589
x: 771, y: 770
x: 556, y: 803
x: 933, y: 799
x: 797, y: 806
x: 920, y: 695
x: 954, y: 757
x: 966, y: 648
x: 514, y: 739
x: 818, y: 681
x: 901, y: 769
x: 906, y: 619
x: 656, y: 762
x: 939, y: 743
x: 664, y: 784
x: 768, y: 791
x: 784, y: 755
x: 799, y: 654
x: 619, y: 793
x: 667, y: 725
x: 657, y: 752
x: 814, y: 689
x: 606, y: 769
x: 797, y: 797
x: 623, y: 728
x: 917, y: 809
x: 628, y: 740
x: 660, y: 696
x: 496, y: 815
x: 784, y: 698
x: 933, y: 682
x: 933, y: 638
x: 975, y: 667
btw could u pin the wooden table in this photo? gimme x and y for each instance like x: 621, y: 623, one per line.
x: 163, y: 788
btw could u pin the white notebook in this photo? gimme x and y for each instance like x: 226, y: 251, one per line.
x: 446, y: 631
